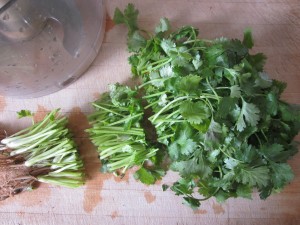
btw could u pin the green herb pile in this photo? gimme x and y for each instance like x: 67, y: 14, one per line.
x: 214, y: 109
x: 47, y: 150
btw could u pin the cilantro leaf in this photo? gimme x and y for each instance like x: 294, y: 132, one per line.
x: 165, y: 187
x: 230, y: 163
x: 257, y: 61
x: 183, y: 143
x: 144, y: 176
x: 191, y: 202
x: 250, y: 113
x: 246, y: 153
x: 258, y: 176
x: 212, y: 136
x: 235, y: 91
x: 129, y: 17
x: 197, y: 62
x: 274, y: 152
x: 163, y: 26
x: 149, y: 176
x: 282, y: 174
x: 189, y: 85
x: 24, y: 113
x: 244, y: 191
x: 195, y: 166
x: 226, y: 106
x: 168, y: 46
x: 194, y: 112
x: 135, y: 41
x: 166, y: 71
x: 263, y: 80
x: 248, y: 39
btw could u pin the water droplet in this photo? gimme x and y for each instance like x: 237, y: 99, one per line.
x: 77, y: 55
x: 54, y: 39
x: 6, y: 16
x: 35, y: 65
x: 21, y: 29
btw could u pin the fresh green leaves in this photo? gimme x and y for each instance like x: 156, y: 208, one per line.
x: 194, y: 112
x: 129, y: 18
x: 149, y: 175
x: 250, y: 114
x: 163, y: 26
x: 24, y: 113
x: 135, y: 40
x: 214, y: 109
x: 258, y: 176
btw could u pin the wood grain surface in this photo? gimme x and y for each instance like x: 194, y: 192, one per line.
x: 109, y: 200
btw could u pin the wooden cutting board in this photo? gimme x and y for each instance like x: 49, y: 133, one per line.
x: 109, y: 200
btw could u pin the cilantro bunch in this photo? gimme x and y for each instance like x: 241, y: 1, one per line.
x: 47, y: 150
x: 118, y: 134
x: 213, y: 107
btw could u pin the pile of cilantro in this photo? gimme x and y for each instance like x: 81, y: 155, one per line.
x: 218, y: 119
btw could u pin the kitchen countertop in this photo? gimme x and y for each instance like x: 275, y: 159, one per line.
x: 109, y: 200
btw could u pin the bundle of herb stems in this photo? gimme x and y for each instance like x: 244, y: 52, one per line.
x: 43, y: 152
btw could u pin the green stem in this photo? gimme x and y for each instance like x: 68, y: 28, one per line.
x: 156, y: 67
x: 167, y: 106
x: 154, y: 95
x: 125, y: 119
x: 153, y: 80
x: 61, y: 181
x: 106, y: 109
x: 156, y: 62
x: 213, y: 90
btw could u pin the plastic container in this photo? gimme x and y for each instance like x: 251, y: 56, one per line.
x: 46, y: 45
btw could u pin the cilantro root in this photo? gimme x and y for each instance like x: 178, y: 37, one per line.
x: 43, y: 152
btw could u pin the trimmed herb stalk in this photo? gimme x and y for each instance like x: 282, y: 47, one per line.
x: 117, y: 133
x: 43, y: 152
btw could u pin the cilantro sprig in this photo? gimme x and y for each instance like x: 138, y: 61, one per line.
x: 214, y: 109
